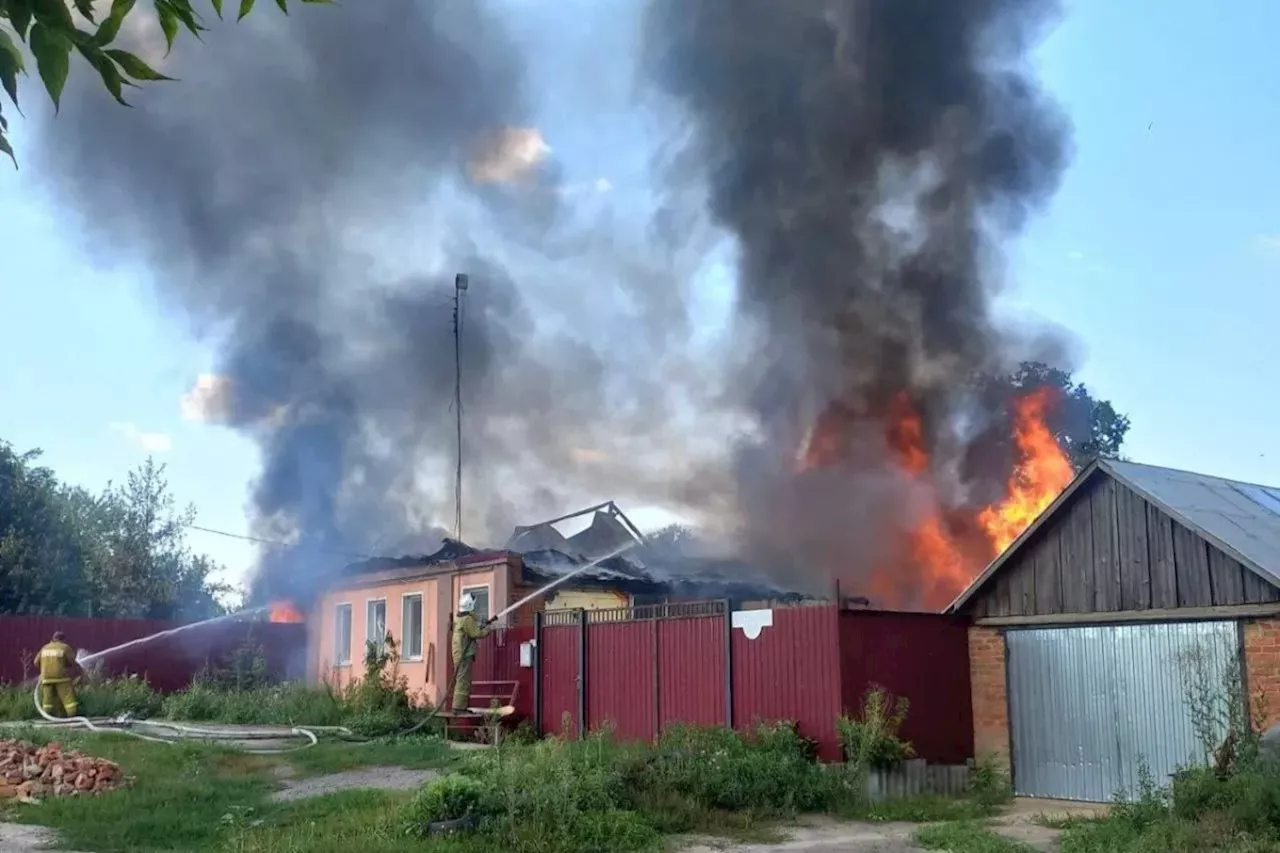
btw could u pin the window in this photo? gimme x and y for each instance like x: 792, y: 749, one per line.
x: 375, y: 623
x: 481, y: 595
x: 342, y: 635
x: 411, y: 626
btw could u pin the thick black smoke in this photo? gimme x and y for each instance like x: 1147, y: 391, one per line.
x: 304, y: 195
x: 869, y: 156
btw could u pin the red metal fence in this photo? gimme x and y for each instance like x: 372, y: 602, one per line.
x: 168, y: 663
x: 641, y: 669
x: 923, y: 657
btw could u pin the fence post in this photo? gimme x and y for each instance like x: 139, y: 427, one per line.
x: 728, y: 664
x: 657, y: 696
x: 582, y: 673
x: 537, y: 671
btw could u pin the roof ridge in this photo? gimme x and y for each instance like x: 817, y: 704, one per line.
x: 1196, y: 474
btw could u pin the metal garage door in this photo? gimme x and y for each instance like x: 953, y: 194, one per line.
x: 1087, y: 706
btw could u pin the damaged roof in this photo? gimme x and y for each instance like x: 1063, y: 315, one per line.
x: 547, y: 554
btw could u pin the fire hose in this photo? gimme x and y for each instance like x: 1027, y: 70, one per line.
x: 126, y: 724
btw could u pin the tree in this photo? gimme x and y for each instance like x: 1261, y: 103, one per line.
x: 1085, y: 427
x: 41, y: 562
x: 122, y: 553
x: 48, y: 30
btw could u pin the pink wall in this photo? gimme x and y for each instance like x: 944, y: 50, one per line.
x: 428, y: 675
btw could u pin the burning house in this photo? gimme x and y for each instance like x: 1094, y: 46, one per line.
x: 413, y: 598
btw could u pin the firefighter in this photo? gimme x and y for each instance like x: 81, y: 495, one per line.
x: 466, y: 634
x: 57, y: 663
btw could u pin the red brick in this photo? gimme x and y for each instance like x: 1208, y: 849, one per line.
x: 990, y: 701
x: 1262, y: 667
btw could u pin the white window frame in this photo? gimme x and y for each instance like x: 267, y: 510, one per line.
x: 422, y: 625
x: 379, y: 642
x: 341, y: 656
x: 488, y: 597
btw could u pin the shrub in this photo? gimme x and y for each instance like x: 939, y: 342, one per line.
x: 871, y: 738
x: 449, y: 798
x: 990, y: 785
x: 244, y: 669
x: 771, y: 772
x: 114, y: 696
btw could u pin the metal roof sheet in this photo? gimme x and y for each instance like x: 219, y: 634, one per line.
x: 1241, y: 519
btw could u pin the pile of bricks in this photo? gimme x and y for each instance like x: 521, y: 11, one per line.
x: 28, y: 772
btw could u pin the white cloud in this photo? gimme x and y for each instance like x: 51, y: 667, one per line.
x: 1267, y: 242
x: 1075, y: 256
x: 152, y: 442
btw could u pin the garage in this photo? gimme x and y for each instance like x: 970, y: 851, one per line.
x: 1141, y: 598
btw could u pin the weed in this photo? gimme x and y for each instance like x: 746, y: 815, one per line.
x: 870, y: 739
x: 967, y: 837
x: 446, y: 799
x: 989, y: 785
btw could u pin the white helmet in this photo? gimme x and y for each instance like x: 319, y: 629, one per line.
x: 467, y: 603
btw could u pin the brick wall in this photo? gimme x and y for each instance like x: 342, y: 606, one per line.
x: 1262, y: 667
x: 990, y: 703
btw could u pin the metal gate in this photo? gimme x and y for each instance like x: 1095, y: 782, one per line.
x: 1090, y: 706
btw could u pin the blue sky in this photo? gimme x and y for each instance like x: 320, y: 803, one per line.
x: 1161, y: 253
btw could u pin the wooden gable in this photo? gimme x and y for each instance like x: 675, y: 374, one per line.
x: 1107, y: 549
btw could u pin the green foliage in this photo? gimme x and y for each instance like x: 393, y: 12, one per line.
x: 1084, y: 426
x: 50, y: 31
x: 870, y: 739
x: 989, y: 785
x: 967, y: 837
x: 118, y: 554
x: 108, y: 698
x: 596, y: 794
x: 450, y: 798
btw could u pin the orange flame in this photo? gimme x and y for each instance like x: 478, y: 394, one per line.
x: 1041, y: 474
x: 283, y: 611
x: 937, y: 559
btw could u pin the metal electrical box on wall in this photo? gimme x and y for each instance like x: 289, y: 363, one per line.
x: 526, y: 653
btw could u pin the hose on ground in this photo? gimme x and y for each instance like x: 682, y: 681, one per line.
x: 126, y: 725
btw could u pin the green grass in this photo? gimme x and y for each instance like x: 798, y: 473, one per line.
x: 549, y: 797
x: 411, y: 751
x: 967, y: 837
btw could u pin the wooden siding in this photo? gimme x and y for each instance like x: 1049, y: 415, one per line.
x: 1108, y: 549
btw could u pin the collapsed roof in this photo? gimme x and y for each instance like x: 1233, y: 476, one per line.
x: 622, y: 561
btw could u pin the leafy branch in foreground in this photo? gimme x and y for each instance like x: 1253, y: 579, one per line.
x: 49, y: 31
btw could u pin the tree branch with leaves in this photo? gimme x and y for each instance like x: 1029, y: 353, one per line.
x: 49, y: 32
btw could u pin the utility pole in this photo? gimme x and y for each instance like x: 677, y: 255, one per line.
x: 459, y: 287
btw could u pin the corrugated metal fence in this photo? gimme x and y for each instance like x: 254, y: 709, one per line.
x: 168, y: 664
x: 641, y: 669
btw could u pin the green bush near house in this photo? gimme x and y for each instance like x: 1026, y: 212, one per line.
x: 870, y: 739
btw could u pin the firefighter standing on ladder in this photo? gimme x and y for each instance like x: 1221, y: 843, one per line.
x: 467, y: 633
x: 56, y: 663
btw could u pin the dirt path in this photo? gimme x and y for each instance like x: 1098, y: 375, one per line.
x: 380, y: 778
x: 20, y: 838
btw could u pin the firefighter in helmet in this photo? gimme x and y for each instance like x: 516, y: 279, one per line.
x: 57, y: 663
x: 466, y: 634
